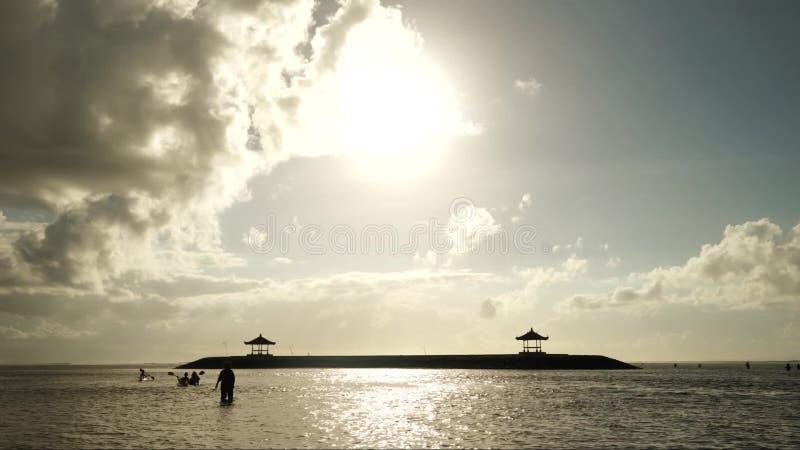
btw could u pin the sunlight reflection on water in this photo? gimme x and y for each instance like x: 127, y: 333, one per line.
x: 718, y: 406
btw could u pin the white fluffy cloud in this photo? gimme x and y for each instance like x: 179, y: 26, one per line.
x: 530, y: 87
x: 577, y: 246
x: 755, y: 265
x: 525, y: 202
x: 469, y: 227
x: 536, y: 278
x: 543, y: 276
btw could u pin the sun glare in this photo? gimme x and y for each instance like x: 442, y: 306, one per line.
x: 396, y: 110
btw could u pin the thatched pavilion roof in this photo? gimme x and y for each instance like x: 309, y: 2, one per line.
x: 532, y: 336
x: 260, y: 340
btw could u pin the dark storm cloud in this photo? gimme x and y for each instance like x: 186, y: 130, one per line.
x: 126, y: 119
x: 61, y: 255
x: 77, y: 109
x: 79, y: 114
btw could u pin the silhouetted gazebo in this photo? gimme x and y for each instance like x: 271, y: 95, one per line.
x: 537, y: 339
x: 260, y: 341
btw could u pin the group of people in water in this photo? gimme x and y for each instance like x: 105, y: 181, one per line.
x: 193, y: 380
x: 226, y: 378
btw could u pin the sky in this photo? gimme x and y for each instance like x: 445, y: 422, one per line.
x: 369, y: 177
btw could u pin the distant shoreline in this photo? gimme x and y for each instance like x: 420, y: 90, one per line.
x: 173, y: 364
x: 497, y: 361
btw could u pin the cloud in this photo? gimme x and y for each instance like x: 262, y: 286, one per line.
x: 525, y: 202
x: 331, y: 38
x: 530, y: 87
x: 131, y: 121
x: 536, y: 278
x: 755, y: 265
x: 429, y: 259
x: 136, y: 124
x: 614, y: 261
x: 133, y: 125
x: 43, y: 329
x: 543, y: 276
x: 469, y: 227
x: 382, y: 91
x: 88, y: 98
x: 176, y: 302
x: 81, y: 246
x: 619, y: 297
x: 577, y: 246
x: 489, y: 309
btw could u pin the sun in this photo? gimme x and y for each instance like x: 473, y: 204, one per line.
x: 396, y: 111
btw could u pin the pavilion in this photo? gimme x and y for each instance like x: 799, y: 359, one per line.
x: 536, y: 347
x: 259, y: 341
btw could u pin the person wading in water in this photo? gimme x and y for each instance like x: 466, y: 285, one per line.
x: 228, y: 379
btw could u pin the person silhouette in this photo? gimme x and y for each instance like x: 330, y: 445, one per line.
x: 184, y: 380
x: 228, y: 379
x: 194, y: 380
x: 747, y: 364
x: 788, y: 367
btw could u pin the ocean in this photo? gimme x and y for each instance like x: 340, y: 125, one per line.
x: 716, y: 405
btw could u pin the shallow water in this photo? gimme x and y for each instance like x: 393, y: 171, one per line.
x: 713, y: 406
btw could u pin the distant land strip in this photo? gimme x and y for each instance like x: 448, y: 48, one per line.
x: 507, y: 361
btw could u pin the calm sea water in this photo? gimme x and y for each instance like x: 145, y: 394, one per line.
x: 713, y: 406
